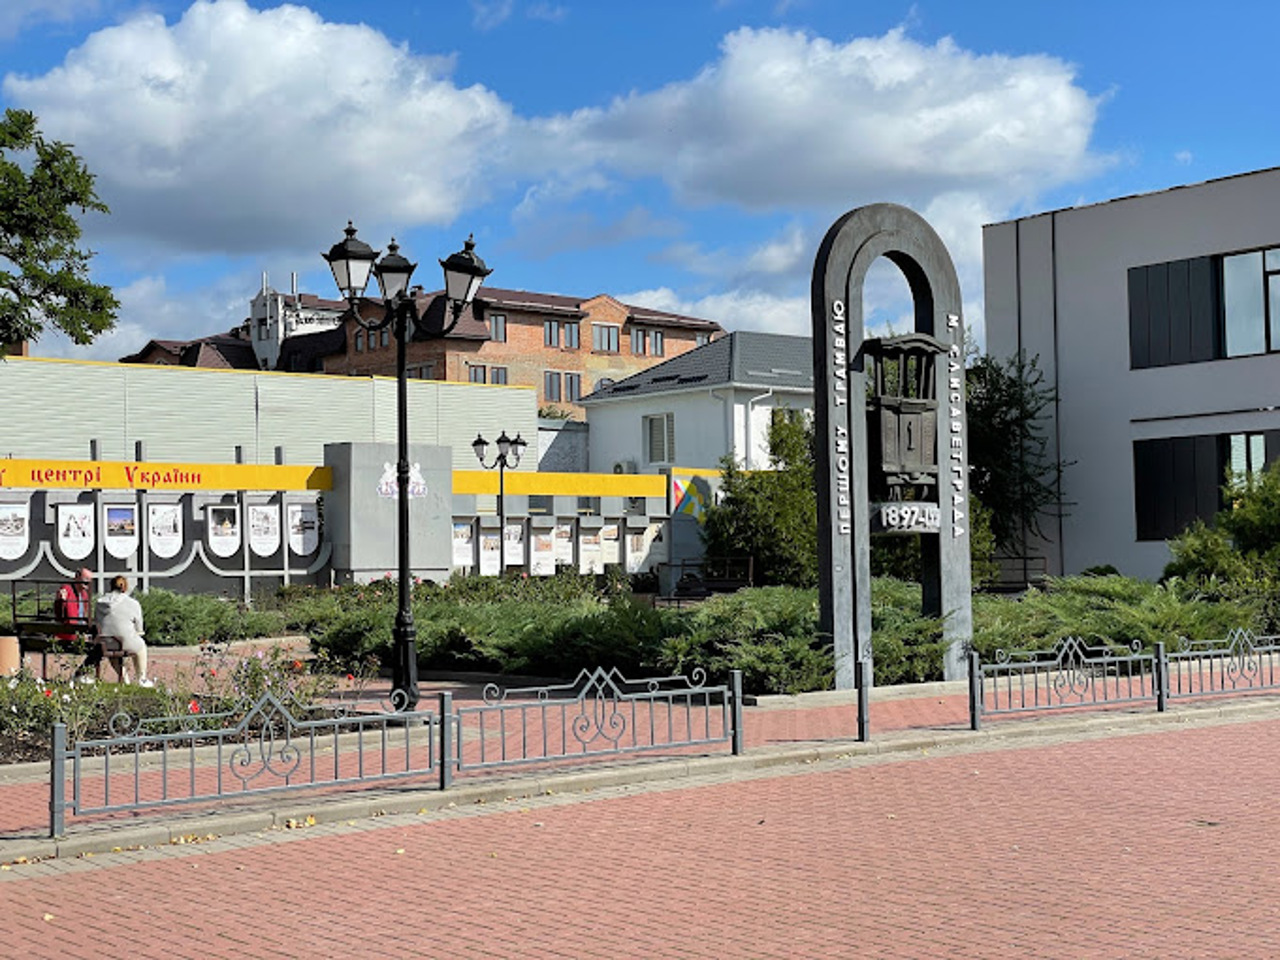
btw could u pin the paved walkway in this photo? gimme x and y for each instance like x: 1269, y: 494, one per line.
x: 1070, y: 840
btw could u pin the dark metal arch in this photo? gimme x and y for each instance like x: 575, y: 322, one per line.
x: 850, y: 246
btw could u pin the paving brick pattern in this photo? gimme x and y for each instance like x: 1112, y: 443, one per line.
x: 1151, y: 845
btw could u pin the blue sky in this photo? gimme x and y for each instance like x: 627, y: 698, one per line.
x: 686, y: 155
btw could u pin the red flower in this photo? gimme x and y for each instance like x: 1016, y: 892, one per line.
x: 213, y: 673
x: 297, y: 664
x: 48, y: 693
x: 351, y: 676
x: 194, y: 706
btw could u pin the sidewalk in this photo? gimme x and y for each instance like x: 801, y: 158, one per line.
x: 779, y: 730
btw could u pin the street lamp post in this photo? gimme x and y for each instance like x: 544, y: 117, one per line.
x: 509, y: 452
x: 352, y: 261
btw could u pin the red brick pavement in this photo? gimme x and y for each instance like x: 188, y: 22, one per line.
x: 1153, y: 845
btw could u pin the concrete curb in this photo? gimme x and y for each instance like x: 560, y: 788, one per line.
x: 279, y: 813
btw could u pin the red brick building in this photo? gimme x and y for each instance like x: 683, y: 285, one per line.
x: 563, y: 346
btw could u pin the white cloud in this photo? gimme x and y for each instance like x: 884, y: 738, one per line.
x: 488, y: 14
x: 784, y: 119
x: 236, y: 130
x: 550, y: 12
x: 1183, y: 157
x: 733, y: 310
x: 149, y: 310
x: 17, y: 15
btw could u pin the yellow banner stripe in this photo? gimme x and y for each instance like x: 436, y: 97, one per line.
x: 562, y: 484
x: 124, y: 475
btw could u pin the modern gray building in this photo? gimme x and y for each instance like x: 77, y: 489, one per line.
x: 1157, y: 320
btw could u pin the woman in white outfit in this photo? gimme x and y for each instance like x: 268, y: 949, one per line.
x: 119, y: 615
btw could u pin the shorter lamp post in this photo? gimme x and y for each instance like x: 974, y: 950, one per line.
x: 352, y: 261
x: 508, y: 457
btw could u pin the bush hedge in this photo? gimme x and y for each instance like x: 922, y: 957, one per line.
x: 556, y: 626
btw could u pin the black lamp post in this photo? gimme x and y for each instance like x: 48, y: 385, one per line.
x: 352, y: 261
x: 509, y: 452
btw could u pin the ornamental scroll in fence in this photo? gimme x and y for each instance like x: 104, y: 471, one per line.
x: 601, y: 712
x: 267, y: 745
x: 1071, y: 674
x: 1198, y: 668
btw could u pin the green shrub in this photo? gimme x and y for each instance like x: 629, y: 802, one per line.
x: 173, y: 619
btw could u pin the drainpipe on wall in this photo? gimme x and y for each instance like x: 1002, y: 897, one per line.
x: 751, y: 403
x: 728, y: 418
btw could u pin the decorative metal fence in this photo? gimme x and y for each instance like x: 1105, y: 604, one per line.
x: 266, y: 746
x: 272, y: 744
x: 1074, y: 675
x: 1071, y: 674
x: 1242, y: 662
x: 601, y: 712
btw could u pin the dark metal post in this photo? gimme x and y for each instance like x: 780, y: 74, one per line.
x: 446, y: 740
x: 404, y: 660
x: 975, y: 690
x: 502, y: 515
x: 862, y: 679
x: 735, y: 691
x: 1162, y: 677
x: 58, y: 782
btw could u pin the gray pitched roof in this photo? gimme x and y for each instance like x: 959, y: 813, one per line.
x: 742, y: 359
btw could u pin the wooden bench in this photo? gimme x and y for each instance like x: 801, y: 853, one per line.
x: 40, y: 631
x: 699, y: 579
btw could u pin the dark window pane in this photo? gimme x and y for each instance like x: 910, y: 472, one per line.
x: 1158, y: 302
x: 1179, y: 312
x: 1204, y: 312
x: 1139, y: 340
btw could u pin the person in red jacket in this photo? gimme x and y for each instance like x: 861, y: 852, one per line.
x: 71, y: 604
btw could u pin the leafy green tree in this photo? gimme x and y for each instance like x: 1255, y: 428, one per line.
x: 771, y: 515
x: 1244, y: 540
x: 44, y: 275
x: 1008, y: 405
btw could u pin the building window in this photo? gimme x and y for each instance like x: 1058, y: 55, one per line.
x: 498, y: 375
x: 541, y: 503
x: 660, y: 438
x: 639, y: 341
x: 604, y: 338
x: 425, y: 372
x: 588, y: 506
x: 570, y: 335
x: 384, y: 337
x: 359, y: 341
x: 1244, y: 304
x: 551, y: 333
x: 701, y: 339
x: 1179, y: 479
x: 1247, y: 454
x: 475, y: 373
x: 1205, y: 308
x: 498, y: 327
x: 659, y: 348
x: 573, y: 387
x: 551, y: 386
x: 262, y: 329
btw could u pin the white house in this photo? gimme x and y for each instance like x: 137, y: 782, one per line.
x: 274, y: 316
x: 1157, y: 320
x: 698, y: 407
